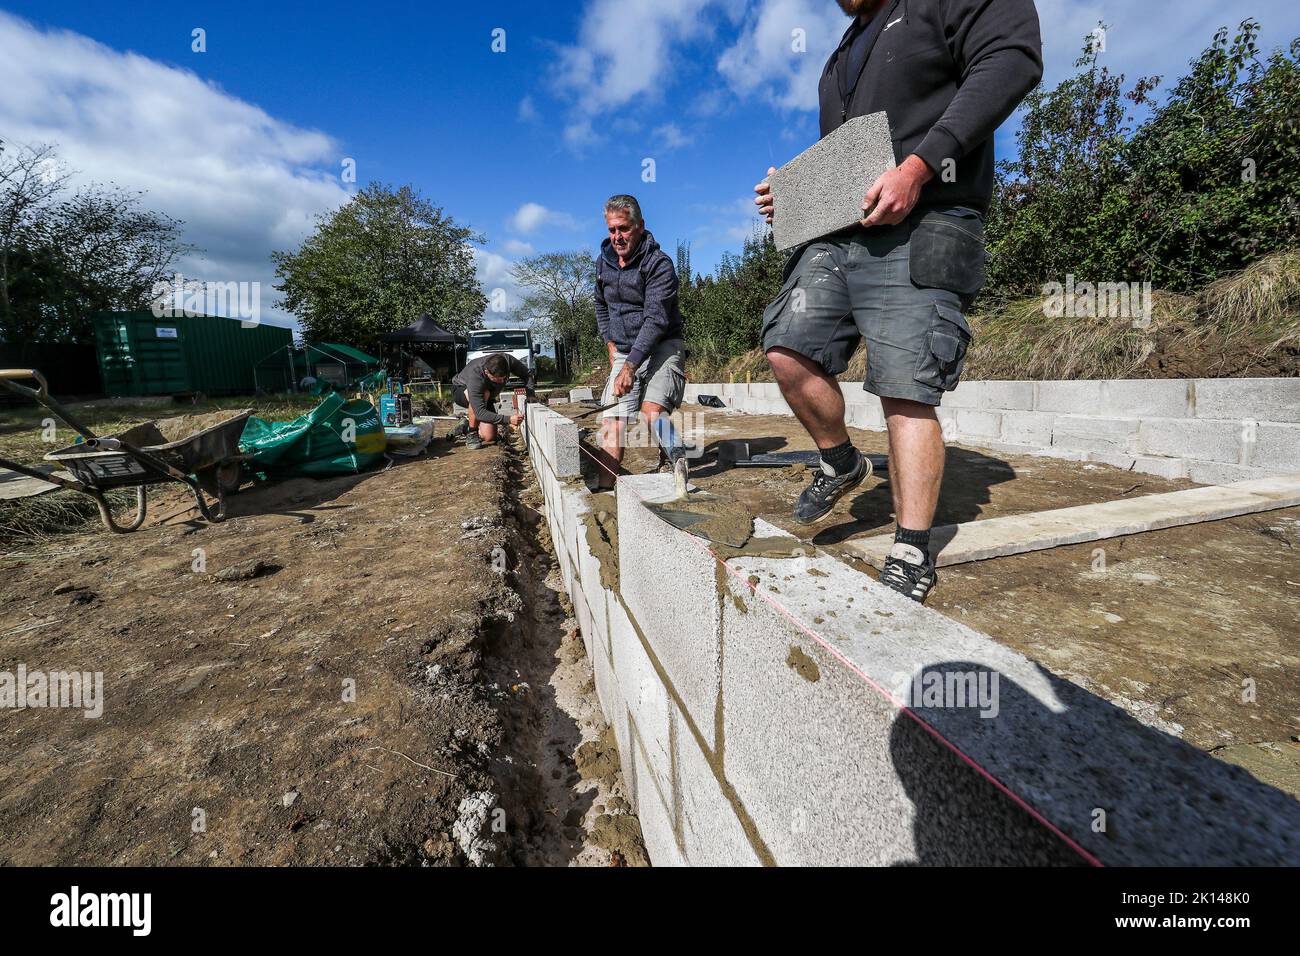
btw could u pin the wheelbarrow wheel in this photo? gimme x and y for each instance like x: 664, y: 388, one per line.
x: 221, y: 480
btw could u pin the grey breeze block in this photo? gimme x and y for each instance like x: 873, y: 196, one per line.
x: 821, y: 189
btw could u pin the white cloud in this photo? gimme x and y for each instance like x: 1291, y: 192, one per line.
x: 728, y: 223
x: 670, y: 136
x: 528, y: 110
x: 532, y: 216
x: 764, y: 60
x: 516, y: 247
x: 243, y: 182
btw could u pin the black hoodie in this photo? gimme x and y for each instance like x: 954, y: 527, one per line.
x: 636, y: 304
x: 947, y: 73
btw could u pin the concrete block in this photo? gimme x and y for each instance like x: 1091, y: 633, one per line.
x: 998, y: 396
x: 1147, y: 398
x: 1260, y: 399
x: 864, y: 415
x: 1218, y: 473
x: 1275, y: 447
x: 709, y: 818
x: 1116, y: 459
x: 973, y: 424
x: 646, y: 698
x: 1075, y: 398
x: 1164, y: 467
x: 654, y: 811
x: 821, y: 189
x: 1192, y: 438
x: 557, y: 401
x: 669, y: 585
x: 580, y: 395
x: 1093, y: 433
x: 854, y: 779
x: 1028, y: 428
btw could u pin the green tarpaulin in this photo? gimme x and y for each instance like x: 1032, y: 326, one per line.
x: 337, y: 437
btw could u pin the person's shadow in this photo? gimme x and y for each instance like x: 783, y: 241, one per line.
x: 967, y: 477
x: 1125, y: 792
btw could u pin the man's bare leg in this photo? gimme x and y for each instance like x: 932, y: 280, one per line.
x: 816, y: 400
x: 916, y: 457
x: 813, y: 396
x: 610, y: 459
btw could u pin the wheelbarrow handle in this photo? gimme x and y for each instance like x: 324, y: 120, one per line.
x: 9, y: 379
x: 11, y: 375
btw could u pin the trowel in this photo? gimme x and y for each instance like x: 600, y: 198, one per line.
x: 702, y: 514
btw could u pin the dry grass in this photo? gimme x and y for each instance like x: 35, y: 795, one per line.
x: 23, y: 439
x: 1244, y: 324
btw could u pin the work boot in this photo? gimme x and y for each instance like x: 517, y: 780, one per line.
x: 460, y: 428
x: 474, y: 441
x: 909, y: 571
x: 826, y: 488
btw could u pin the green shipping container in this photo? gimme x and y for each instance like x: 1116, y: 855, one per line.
x: 142, y: 354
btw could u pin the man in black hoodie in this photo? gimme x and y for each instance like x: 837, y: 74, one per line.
x: 947, y: 73
x: 638, y: 317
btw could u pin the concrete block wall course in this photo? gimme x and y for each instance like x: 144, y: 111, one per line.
x: 802, y: 755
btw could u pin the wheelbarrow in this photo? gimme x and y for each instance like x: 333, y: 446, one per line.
x: 208, y: 460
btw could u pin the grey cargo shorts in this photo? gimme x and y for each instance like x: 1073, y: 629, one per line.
x: 902, y: 288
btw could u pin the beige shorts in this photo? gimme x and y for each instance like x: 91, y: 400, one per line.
x: 661, y: 379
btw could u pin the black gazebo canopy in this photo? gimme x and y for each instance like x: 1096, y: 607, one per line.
x: 423, y: 331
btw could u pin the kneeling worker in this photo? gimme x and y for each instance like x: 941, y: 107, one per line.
x: 476, y: 388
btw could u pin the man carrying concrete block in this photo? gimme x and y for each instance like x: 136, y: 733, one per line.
x: 947, y: 73
x: 638, y: 318
x: 476, y: 388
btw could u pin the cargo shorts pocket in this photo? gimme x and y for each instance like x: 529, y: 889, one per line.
x: 944, y: 352
x: 946, y: 251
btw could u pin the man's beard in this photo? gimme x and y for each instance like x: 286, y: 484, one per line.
x: 856, y: 8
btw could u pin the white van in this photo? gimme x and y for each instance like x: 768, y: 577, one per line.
x: 516, y: 342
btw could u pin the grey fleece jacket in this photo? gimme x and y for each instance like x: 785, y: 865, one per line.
x: 636, y: 304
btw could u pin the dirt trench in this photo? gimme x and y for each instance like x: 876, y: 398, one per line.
x: 559, y: 768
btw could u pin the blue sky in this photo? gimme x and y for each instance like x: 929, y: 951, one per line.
x: 245, y: 141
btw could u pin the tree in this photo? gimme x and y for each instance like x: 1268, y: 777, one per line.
x: 377, y: 264
x: 1203, y: 185
x: 63, y: 259
x: 560, y: 299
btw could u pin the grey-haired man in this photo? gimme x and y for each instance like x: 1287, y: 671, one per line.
x: 638, y: 318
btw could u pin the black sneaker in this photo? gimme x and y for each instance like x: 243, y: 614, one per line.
x: 826, y: 489
x: 909, y: 572
x: 473, y: 441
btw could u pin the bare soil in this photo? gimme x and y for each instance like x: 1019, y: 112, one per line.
x: 343, y: 672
